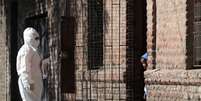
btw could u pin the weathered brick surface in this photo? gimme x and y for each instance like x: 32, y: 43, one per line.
x: 114, y: 49
x: 173, y: 92
x: 166, y: 35
x: 151, y: 31
x: 4, y: 57
x: 170, y: 81
x: 171, y: 34
x: 180, y: 85
x: 106, y: 82
x: 105, y: 86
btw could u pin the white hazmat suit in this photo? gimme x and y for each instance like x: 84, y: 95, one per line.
x: 29, y: 67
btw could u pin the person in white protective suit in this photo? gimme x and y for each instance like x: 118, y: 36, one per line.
x: 29, y: 67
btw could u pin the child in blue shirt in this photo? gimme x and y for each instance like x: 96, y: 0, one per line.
x: 143, y: 60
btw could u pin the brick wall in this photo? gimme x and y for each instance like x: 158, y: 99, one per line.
x: 55, y: 48
x: 166, y: 34
x: 171, y: 34
x: 4, y: 68
x: 171, y: 80
x: 106, y: 81
x: 151, y: 33
x: 168, y: 85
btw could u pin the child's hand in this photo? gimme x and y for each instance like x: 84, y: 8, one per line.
x: 145, y: 66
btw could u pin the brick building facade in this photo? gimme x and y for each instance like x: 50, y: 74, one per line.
x: 58, y: 22
x: 4, y: 57
x: 171, y: 43
x: 95, y: 48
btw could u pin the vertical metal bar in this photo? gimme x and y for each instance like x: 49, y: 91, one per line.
x: 87, y: 89
x: 97, y: 87
x: 91, y: 5
x: 82, y: 79
x: 154, y: 20
x: 132, y: 90
x: 112, y: 48
x: 104, y: 50
x: 90, y: 81
x: 74, y: 40
x: 119, y: 48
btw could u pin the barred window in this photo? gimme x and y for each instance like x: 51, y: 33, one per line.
x: 197, y: 33
x: 95, y: 34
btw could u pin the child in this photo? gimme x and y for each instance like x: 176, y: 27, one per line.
x: 144, y: 60
x: 144, y: 64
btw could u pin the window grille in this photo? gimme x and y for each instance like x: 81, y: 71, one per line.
x: 197, y: 33
x: 95, y: 34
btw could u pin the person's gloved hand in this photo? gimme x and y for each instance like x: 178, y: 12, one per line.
x: 27, y: 86
x: 27, y: 82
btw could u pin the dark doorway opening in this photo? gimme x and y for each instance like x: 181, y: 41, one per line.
x: 136, y: 47
x: 67, y: 55
x: 67, y: 74
x: 95, y: 34
x: 15, y: 94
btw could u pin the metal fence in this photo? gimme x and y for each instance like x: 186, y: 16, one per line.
x: 107, y: 38
x: 108, y: 50
x: 101, y: 50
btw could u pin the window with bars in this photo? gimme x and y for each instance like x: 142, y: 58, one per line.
x: 95, y: 34
x: 197, y: 33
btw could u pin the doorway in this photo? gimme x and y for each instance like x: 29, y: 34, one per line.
x: 67, y: 55
x: 15, y: 94
x: 136, y: 42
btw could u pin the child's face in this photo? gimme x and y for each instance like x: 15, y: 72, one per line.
x: 144, y: 63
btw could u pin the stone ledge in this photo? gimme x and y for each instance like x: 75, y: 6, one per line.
x: 173, y: 77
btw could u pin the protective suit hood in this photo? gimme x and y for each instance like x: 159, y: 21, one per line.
x: 31, y: 38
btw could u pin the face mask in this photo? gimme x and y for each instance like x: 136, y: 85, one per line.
x: 35, y: 42
x: 31, y: 38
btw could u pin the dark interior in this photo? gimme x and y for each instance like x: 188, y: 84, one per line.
x: 136, y: 42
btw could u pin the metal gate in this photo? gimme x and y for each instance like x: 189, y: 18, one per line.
x: 101, y: 50
x: 110, y: 37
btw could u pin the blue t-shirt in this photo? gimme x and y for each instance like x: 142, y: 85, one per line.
x: 145, y: 56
